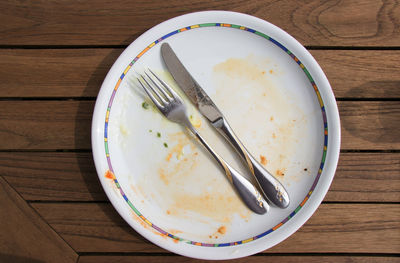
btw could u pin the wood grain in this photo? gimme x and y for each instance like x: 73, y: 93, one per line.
x: 370, y: 125
x: 46, y: 124
x: 366, y: 125
x: 334, y: 228
x: 24, y: 236
x: 63, y: 176
x: 361, y: 73
x: 370, y: 177
x: 52, y: 176
x: 53, y: 72
x: 93, y: 227
x: 252, y: 259
x: 54, y: 56
x: 326, y: 23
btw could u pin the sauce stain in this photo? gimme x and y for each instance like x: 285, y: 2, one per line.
x: 163, y: 176
x: 263, y: 160
x: 123, y: 130
x: 211, y: 204
x: 222, y: 230
x: 180, y: 159
x: 242, y: 82
x: 184, y: 190
x: 280, y: 172
x: 109, y: 175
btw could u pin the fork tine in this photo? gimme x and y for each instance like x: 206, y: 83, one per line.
x: 167, y: 96
x: 166, y: 86
x: 155, y: 90
x: 152, y: 97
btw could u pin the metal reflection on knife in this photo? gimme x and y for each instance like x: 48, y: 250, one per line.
x: 272, y: 189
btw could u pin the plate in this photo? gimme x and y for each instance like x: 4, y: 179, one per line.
x: 277, y: 100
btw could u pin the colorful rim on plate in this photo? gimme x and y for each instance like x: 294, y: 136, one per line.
x: 110, y: 173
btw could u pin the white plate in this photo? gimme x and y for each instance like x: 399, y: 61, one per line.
x: 277, y: 100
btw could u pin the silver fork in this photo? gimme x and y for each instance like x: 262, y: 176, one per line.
x: 171, y: 105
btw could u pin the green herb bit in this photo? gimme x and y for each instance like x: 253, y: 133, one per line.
x: 158, y: 134
x: 165, y: 145
x: 145, y: 105
x: 150, y: 131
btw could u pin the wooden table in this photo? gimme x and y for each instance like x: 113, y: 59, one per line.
x: 54, y: 56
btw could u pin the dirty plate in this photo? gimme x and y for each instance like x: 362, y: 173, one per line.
x: 277, y: 100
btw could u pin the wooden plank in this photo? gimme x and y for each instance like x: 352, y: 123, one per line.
x: 65, y: 176
x: 53, y: 176
x: 334, y: 228
x: 361, y: 73
x: 93, y: 227
x: 344, y: 23
x: 252, y: 259
x: 52, y: 72
x: 366, y: 125
x: 46, y: 124
x: 369, y: 177
x: 370, y: 125
x: 24, y: 236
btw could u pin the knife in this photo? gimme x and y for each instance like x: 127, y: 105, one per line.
x: 271, y: 188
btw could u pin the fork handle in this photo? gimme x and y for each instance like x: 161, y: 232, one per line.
x: 248, y: 193
x: 273, y: 190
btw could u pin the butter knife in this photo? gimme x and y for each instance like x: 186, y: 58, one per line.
x: 271, y: 188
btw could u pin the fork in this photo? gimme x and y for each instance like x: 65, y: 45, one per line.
x: 171, y: 105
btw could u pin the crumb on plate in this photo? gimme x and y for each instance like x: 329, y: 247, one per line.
x: 145, y: 105
x: 222, y: 230
x: 263, y: 160
x: 280, y: 173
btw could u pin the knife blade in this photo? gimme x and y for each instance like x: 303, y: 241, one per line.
x: 189, y: 85
x: 272, y: 189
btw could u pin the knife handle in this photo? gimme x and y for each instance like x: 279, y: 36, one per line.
x: 248, y: 193
x: 272, y: 189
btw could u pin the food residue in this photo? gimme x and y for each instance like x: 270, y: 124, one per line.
x: 222, y: 230
x: 163, y: 176
x: 145, y: 224
x: 169, y: 156
x: 109, y: 175
x: 279, y: 172
x: 263, y: 160
x: 175, y: 231
x: 165, y: 145
x: 158, y: 134
x: 215, y: 205
x: 196, y: 122
x: 124, y: 131
x: 141, y: 221
x: 178, y: 149
x: 277, y: 136
x: 145, y: 105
